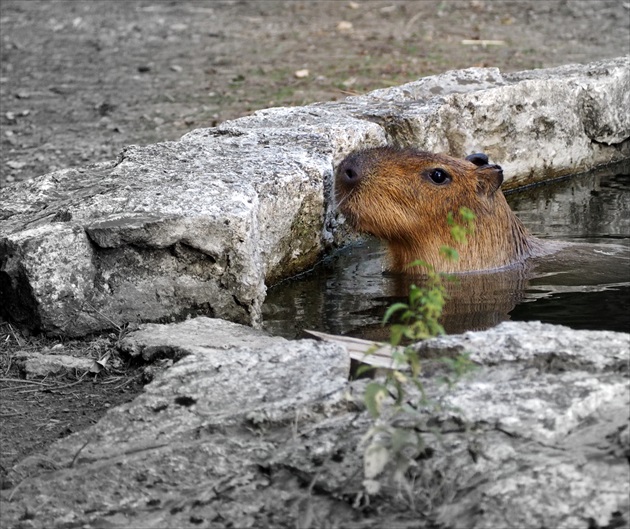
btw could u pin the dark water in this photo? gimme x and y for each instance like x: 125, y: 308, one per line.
x: 348, y: 293
x: 594, y: 210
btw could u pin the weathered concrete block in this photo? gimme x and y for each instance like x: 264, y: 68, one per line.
x: 537, y: 125
x: 535, y: 344
x: 554, y: 404
x: 196, y: 226
x: 179, y: 339
x: 201, y: 225
x: 42, y: 287
x: 270, y: 433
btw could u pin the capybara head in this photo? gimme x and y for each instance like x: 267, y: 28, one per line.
x: 403, y: 196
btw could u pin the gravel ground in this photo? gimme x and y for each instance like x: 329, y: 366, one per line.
x: 82, y: 79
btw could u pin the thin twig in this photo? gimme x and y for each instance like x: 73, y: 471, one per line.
x: 52, y: 386
x: 116, y: 326
x: 24, y: 381
x: 123, y: 384
x: 6, y: 372
x: 78, y: 452
x: 70, y: 385
x: 15, y: 489
x: 15, y: 336
x: 28, y: 461
x: 410, y: 23
x: 24, y: 391
x: 348, y: 92
x: 112, y: 380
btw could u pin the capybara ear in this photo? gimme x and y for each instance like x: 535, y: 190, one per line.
x: 478, y: 158
x: 489, y: 179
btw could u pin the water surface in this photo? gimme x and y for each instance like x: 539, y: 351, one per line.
x: 348, y: 293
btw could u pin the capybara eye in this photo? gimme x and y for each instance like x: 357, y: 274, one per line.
x: 439, y: 176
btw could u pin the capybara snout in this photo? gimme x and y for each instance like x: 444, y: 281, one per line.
x: 351, y: 171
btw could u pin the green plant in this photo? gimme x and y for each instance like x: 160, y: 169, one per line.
x: 418, y: 319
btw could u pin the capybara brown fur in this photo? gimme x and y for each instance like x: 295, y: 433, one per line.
x: 403, y: 196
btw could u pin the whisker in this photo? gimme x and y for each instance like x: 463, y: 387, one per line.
x: 337, y: 203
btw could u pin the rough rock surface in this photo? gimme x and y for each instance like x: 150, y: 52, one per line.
x: 270, y: 436
x: 199, y: 226
x: 38, y: 365
x: 537, y: 124
x: 154, y: 341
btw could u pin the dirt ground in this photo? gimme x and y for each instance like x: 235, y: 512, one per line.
x: 79, y: 80
x: 82, y: 79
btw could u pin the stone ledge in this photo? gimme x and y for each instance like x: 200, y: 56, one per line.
x: 201, y: 225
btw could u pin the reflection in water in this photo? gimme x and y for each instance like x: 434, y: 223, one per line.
x: 594, y: 206
x: 348, y: 293
x: 606, y: 310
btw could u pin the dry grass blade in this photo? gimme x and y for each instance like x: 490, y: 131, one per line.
x: 17, y: 339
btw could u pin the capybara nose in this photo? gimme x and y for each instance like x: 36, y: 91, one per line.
x: 349, y: 172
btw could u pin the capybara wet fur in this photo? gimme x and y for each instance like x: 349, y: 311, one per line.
x: 403, y: 196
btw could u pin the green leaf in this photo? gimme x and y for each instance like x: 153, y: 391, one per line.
x: 458, y: 233
x: 467, y: 214
x: 413, y: 360
x: 400, y: 439
x: 421, y: 263
x: 450, y: 278
x: 396, y: 307
x: 450, y: 253
x: 375, y: 393
x: 420, y: 386
x: 400, y: 391
x: 396, y: 333
x: 399, y: 357
x: 364, y: 368
x: 415, y: 293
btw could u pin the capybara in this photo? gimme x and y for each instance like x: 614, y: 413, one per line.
x: 403, y: 196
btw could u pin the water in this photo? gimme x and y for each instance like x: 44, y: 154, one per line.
x: 348, y: 293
